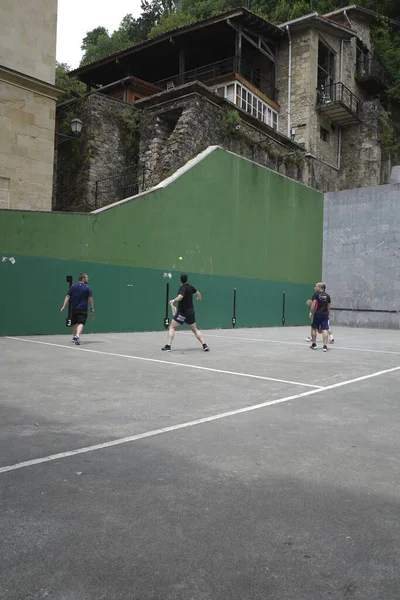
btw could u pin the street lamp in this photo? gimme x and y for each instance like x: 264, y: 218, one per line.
x: 76, y: 128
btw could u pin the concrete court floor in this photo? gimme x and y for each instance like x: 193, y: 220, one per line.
x: 296, y: 499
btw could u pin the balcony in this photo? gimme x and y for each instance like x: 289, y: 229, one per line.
x: 371, y: 76
x: 338, y: 104
x: 218, y: 72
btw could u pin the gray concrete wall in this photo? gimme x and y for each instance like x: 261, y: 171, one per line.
x: 361, y: 262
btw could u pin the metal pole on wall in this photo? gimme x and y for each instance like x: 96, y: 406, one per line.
x: 166, y: 318
x: 283, y: 308
x: 68, y: 320
x: 234, y: 308
x: 95, y: 194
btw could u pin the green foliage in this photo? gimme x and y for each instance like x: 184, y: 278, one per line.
x: 295, y: 158
x: 386, y: 46
x: 159, y: 16
x: 129, y: 126
x: 230, y: 124
x: 171, y: 21
x: 71, y: 85
x: 72, y: 162
x: 74, y: 147
x: 188, y: 11
x: 98, y: 43
x: 389, y: 137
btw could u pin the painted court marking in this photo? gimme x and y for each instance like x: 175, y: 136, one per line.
x: 247, y: 339
x: 165, y: 362
x: 140, y: 436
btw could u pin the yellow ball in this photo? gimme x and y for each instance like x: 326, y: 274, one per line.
x: 180, y: 258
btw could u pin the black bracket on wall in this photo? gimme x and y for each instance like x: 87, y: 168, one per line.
x: 166, y: 318
x: 234, y: 308
x: 283, y: 308
x: 368, y: 310
x: 68, y: 279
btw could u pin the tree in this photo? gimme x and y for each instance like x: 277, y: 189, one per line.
x: 160, y: 16
x: 92, y: 37
x: 71, y: 85
x: 98, y: 43
x: 386, y: 46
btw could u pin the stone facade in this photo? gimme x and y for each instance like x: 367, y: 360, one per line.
x: 175, y: 125
x: 107, y: 147
x: 348, y: 156
x: 164, y: 142
x: 27, y: 120
x: 167, y: 137
x: 301, y: 92
x: 28, y: 37
x: 27, y: 103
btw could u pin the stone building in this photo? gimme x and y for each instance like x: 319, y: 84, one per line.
x: 27, y: 103
x: 302, y: 98
x: 332, y: 106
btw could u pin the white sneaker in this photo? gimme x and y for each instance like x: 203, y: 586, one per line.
x: 308, y: 339
x: 331, y: 339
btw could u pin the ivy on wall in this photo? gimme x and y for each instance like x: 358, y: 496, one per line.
x: 128, y: 123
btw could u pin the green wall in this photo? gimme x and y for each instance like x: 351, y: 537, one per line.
x: 234, y: 223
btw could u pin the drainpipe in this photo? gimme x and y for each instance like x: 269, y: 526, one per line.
x: 289, y: 110
x: 339, y: 149
x: 341, y: 61
x: 347, y: 19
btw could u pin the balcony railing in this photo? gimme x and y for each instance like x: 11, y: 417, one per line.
x: 118, y: 187
x: 339, y: 104
x: 371, y: 75
x: 222, y: 68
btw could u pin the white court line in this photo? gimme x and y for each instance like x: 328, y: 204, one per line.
x: 165, y: 362
x: 140, y: 436
x: 235, y: 337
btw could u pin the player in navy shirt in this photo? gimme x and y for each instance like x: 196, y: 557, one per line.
x: 79, y: 296
x: 185, y: 313
x: 319, y: 312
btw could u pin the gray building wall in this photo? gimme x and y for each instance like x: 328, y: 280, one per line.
x: 361, y: 262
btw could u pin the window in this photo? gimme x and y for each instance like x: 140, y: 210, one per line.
x: 259, y: 110
x: 254, y: 106
x: 230, y: 92
x: 363, y: 61
x: 324, y: 134
x: 246, y: 100
x: 326, y: 68
x: 244, y: 97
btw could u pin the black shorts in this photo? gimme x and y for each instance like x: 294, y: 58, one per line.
x: 188, y: 318
x: 320, y: 321
x: 78, y: 316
